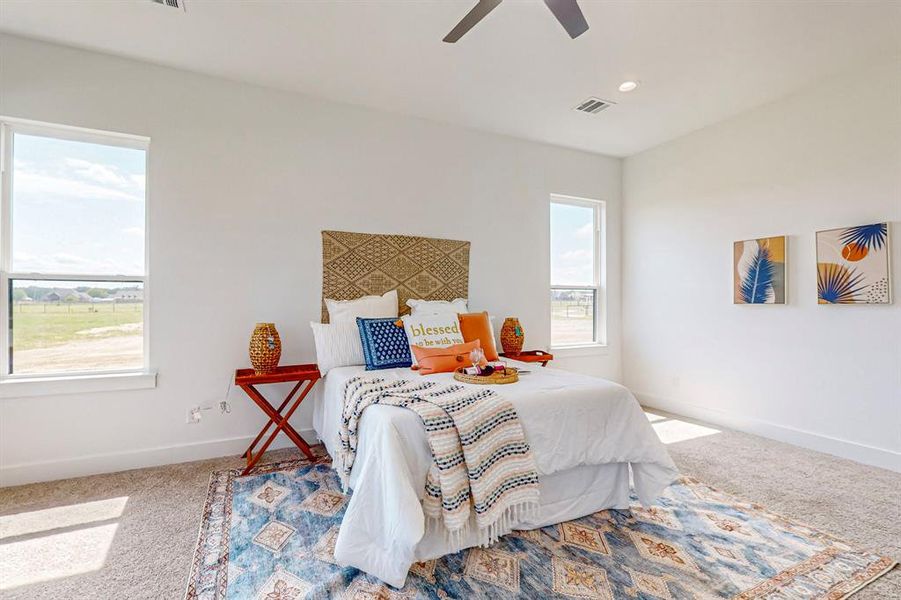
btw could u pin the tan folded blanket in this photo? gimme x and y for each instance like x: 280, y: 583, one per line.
x: 482, y: 471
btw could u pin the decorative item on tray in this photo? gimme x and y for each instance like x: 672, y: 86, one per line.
x: 492, y: 374
x: 512, y: 336
x: 484, y: 372
x: 477, y: 358
x: 265, y: 348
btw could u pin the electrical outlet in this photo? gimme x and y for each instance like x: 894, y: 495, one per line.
x: 194, y: 415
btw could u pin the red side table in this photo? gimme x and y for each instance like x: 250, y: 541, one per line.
x: 305, y: 377
x: 531, y: 356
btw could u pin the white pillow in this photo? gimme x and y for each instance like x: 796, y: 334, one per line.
x: 438, y: 307
x: 337, y: 345
x: 367, y: 307
x: 432, y: 331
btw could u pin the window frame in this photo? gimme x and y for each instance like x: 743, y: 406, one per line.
x: 91, y: 380
x: 599, y: 285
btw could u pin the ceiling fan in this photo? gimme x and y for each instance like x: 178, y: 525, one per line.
x: 567, y: 12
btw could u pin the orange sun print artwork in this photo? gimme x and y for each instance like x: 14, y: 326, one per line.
x: 853, y: 265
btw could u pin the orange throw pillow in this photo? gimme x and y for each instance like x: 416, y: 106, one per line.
x: 477, y: 326
x: 443, y: 360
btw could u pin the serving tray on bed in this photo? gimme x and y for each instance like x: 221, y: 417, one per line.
x: 508, y: 375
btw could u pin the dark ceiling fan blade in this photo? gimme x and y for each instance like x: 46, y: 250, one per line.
x: 570, y: 16
x: 478, y: 12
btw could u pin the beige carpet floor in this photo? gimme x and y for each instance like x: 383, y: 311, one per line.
x: 136, y: 537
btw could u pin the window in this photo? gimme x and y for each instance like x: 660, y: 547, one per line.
x: 577, y: 293
x: 73, y: 261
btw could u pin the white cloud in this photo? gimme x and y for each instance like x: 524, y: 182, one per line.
x: 30, y: 182
x: 77, y: 178
x: 573, y: 267
x: 65, y: 262
x: 585, y: 231
x: 577, y: 255
x: 64, y: 258
x: 98, y: 173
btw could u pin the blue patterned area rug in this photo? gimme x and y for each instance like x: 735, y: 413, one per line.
x: 270, y: 536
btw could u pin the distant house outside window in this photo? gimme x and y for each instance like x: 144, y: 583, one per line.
x: 577, y: 292
x: 73, y: 240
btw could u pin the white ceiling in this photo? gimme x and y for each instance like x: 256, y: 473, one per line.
x: 516, y: 72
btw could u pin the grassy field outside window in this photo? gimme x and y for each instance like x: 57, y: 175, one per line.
x: 77, y: 336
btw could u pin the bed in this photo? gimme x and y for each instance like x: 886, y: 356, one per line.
x: 591, y: 441
x: 584, y: 432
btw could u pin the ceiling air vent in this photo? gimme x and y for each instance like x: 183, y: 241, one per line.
x: 171, y: 3
x: 593, y: 105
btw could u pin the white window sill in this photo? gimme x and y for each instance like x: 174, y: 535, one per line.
x: 21, y: 387
x: 583, y: 350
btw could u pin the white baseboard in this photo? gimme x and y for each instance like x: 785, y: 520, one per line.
x: 870, y: 455
x: 94, y: 464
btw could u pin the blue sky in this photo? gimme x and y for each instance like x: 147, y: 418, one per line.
x: 77, y: 208
x: 572, y: 245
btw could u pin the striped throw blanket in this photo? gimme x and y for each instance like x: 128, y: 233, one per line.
x: 482, y: 470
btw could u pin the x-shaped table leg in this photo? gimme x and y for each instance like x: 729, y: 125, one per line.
x: 280, y: 420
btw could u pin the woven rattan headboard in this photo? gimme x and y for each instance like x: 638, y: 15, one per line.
x: 360, y: 264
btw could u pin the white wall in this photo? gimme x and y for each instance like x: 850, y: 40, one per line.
x: 827, y: 377
x: 242, y: 180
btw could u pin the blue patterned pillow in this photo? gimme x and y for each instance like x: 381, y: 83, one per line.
x: 385, y: 345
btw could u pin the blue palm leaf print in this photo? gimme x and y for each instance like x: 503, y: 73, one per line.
x: 759, y: 279
x: 871, y: 237
x: 838, y: 285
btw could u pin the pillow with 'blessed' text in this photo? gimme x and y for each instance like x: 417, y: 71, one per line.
x: 432, y: 331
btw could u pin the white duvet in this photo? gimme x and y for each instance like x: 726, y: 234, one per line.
x: 585, y: 433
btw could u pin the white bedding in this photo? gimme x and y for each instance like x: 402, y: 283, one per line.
x: 584, y: 433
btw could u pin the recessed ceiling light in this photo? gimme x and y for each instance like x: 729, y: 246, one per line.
x: 628, y: 86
